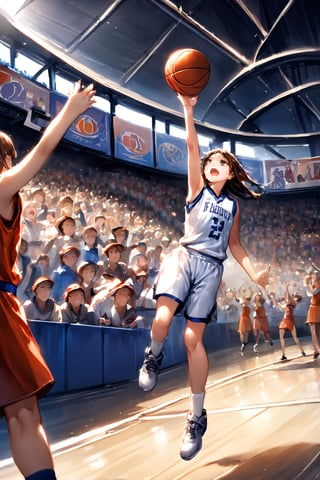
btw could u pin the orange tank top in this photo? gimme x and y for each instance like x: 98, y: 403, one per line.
x: 10, y: 238
x: 288, y: 313
x: 315, y: 299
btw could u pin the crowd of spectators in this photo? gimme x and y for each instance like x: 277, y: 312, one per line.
x: 104, y: 231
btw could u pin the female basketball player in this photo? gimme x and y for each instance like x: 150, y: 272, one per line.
x: 313, y: 319
x: 24, y: 375
x: 260, y: 320
x: 244, y: 328
x: 287, y: 323
x: 191, y: 274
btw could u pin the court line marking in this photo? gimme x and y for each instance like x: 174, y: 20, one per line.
x: 96, y: 434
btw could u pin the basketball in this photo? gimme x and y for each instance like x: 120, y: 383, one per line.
x: 187, y: 71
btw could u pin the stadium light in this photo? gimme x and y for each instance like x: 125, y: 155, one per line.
x: 11, y: 7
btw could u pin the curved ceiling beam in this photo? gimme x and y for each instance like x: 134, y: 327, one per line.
x: 252, y: 17
x: 178, y: 14
x: 264, y: 107
x: 143, y: 60
x: 274, y: 26
x: 93, y: 27
x: 262, y: 66
x: 60, y: 55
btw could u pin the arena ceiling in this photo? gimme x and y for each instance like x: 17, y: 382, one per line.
x: 264, y: 54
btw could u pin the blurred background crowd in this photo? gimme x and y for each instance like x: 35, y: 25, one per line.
x: 73, y: 204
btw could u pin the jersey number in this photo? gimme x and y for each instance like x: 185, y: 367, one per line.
x: 216, y: 228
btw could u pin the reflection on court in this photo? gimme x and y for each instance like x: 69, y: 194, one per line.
x: 262, y: 424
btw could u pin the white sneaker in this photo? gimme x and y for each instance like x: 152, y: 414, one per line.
x: 192, y: 440
x: 148, y: 373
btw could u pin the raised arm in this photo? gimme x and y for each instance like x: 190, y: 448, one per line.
x: 276, y: 303
x: 195, y: 181
x: 12, y: 180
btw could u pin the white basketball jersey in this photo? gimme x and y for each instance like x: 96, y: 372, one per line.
x: 208, y: 221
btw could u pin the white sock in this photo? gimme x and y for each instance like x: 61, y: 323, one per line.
x: 197, y: 401
x: 157, y: 347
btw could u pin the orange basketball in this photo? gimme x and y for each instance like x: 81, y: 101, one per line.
x: 187, y: 71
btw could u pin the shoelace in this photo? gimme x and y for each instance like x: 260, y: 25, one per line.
x: 191, y: 427
x: 151, y: 363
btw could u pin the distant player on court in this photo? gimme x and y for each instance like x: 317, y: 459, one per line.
x: 190, y: 276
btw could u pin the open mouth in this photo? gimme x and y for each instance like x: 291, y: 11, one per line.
x: 214, y: 172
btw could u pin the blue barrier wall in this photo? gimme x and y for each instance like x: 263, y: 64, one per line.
x: 85, y: 356
x: 84, y: 359
x: 51, y: 337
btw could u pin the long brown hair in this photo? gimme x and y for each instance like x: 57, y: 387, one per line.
x: 236, y: 185
x: 6, y: 148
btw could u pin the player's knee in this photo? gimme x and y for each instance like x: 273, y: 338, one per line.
x: 191, y: 340
x: 162, y: 321
x: 24, y: 419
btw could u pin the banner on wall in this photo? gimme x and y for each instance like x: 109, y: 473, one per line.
x: 132, y: 143
x: 90, y: 130
x: 25, y: 94
x: 171, y: 154
x: 291, y: 174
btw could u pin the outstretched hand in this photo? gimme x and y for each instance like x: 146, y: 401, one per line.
x: 80, y: 99
x: 263, y: 278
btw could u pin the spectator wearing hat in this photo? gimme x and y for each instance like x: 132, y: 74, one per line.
x: 74, y: 309
x: 66, y: 273
x: 66, y: 235
x: 122, y: 314
x: 66, y: 206
x: 42, y: 307
x: 66, y: 227
x: 120, y: 235
x: 115, y: 309
x: 114, y: 266
x: 88, y: 273
x: 138, y: 254
x: 89, y: 250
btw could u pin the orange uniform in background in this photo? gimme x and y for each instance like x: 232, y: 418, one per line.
x: 287, y: 322
x: 314, y: 309
x: 245, y: 320
x: 260, y: 319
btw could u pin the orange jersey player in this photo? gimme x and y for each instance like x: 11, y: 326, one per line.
x: 24, y: 375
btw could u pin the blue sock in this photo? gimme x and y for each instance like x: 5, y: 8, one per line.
x: 47, y: 474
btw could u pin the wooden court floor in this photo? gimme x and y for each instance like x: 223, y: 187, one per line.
x: 263, y: 424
